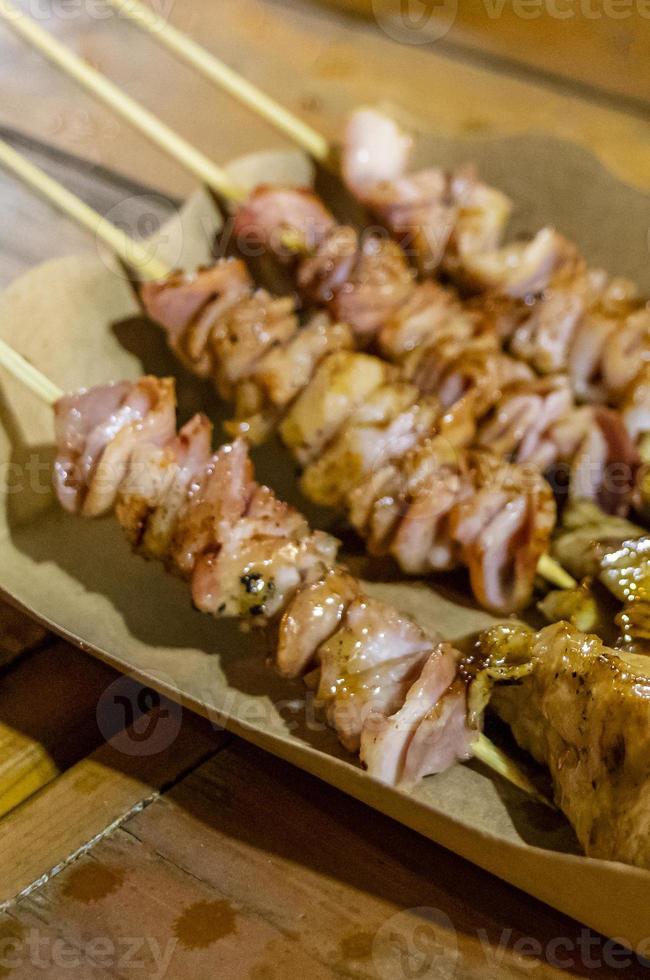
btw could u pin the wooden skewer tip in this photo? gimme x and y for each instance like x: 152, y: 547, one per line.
x: 554, y: 573
x: 497, y: 760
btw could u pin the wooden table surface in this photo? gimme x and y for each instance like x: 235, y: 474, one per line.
x: 210, y: 858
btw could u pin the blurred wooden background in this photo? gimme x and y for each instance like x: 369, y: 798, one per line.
x: 603, y: 45
x: 320, y: 62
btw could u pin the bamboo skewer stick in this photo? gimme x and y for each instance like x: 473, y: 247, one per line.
x: 495, y: 759
x: 164, y: 137
x: 146, y: 122
x: 37, y: 382
x: 136, y: 255
x: 133, y: 254
x: 30, y: 376
x: 288, y: 123
x: 553, y: 572
x: 212, y: 68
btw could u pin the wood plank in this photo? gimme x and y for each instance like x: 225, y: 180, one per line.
x: 36, y: 951
x: 48, y: 718
x: 96, y: 793
x: 318, y: 62
x: 123, y: 891
x: 255, y: 869
x: 603, y: 45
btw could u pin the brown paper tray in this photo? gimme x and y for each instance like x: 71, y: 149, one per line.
x: 78, y: 319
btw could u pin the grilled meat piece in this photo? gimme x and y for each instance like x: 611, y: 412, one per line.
x: 156, y: 485
x: 376, y: 150
x: 503, y: 529
x: 583, y: 711
x: 521, y: 424
x: 586, y: 534
x: 428, y: 733
x: 367, y: 667
x: 188, y: 305
x: 341, y: 384
x: 273, y: 216
x: 97, y: 431
x: 260, y: 561
x: 361, y: 281
x: 248, y: 555
x: 518, y: 270
x: 436, y: 216
x: 312, y: 618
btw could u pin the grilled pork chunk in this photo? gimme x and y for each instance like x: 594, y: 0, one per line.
x: 584, y: 712
x: 187, y: 305
x: 97, y: 431
x: 271, y: 213
x: 437, y: 216
x: 430, y: 730
x: 540, y: 296
x: 157, y: 483
x: 249, y: 555
x: 362, y: 281
x: 367, y: 667
x: 314, y: 615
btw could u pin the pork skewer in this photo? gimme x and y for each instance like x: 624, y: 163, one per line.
x: 646, y: 835
x: 248, y: 555
x: 309, y: 349
x: 556, y: 313
x: 571, y: 702
x: 553, y: 312
x: 364, y: 282
x: 594, y: 330
x: 398, y: 465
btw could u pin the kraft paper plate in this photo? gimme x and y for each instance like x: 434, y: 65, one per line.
x: 78, y: 319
